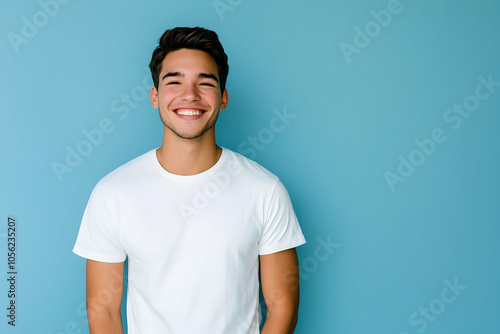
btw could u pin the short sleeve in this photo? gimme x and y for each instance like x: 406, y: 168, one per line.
x: 98, y: 238
x: 281, y: 229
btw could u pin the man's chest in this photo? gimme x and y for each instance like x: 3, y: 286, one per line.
x: 192, y: 226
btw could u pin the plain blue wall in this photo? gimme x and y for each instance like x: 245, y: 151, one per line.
x: 360, y: 95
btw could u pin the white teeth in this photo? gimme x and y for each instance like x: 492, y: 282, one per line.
x: 189, y: 112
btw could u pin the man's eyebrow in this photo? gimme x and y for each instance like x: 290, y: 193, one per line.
x: 208, y: 76
x: 172, y: 74
x: 201, y: 75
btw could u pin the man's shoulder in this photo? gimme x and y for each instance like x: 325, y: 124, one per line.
x: 251, y: 169
x: 129, y: 171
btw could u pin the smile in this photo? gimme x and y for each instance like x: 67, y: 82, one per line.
x: 188, y: 112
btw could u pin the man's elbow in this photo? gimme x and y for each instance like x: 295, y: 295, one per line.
x: 277, y: 323
x: 284, y: 303
x: 103, y: 319
x: 284, y: 313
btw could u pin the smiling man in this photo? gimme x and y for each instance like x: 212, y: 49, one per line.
x: 197, y: 222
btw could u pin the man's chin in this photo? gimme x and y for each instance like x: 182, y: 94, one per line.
x: 191, y: 135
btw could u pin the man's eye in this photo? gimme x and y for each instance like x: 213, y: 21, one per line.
x: 173, y: 83
x: 207, y: 84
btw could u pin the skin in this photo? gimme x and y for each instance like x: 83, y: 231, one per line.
x: 104, y: 297
x: 189, y: 81
x: 279, y: 276
x: 188, y: 146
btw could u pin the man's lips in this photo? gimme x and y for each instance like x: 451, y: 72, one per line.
x: 189, y: 114
x: 189, y: 111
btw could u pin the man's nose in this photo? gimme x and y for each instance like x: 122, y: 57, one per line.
x: 190, y: 93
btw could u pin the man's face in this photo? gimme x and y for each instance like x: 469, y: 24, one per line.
x: 188, y: 95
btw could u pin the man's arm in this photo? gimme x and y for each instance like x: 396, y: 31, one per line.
x: 104, y: 297
x: 279, y: 276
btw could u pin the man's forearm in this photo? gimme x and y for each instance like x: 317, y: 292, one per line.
x: 280, y: 321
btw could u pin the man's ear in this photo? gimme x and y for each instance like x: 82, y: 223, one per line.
x: 224, y: 100
x: 153, y: 95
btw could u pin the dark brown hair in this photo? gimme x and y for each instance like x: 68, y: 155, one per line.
x: 190, y: 38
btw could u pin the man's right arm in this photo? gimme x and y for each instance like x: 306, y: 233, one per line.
x: 104, y: 297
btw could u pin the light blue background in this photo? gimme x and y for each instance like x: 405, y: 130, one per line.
x: 394, y: 249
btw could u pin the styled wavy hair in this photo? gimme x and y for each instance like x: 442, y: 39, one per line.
x: 190, y: 38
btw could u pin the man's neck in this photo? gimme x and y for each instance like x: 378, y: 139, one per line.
x: 188, y: 157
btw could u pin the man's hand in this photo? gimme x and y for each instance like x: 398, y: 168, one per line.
x: 279, y: 275
x: 104, y: 297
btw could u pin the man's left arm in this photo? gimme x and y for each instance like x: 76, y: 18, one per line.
x: 279, y: 275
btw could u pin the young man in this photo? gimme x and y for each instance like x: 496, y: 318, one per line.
x: 195, y: 221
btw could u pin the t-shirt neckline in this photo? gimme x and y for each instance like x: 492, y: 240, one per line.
x: 188, y: 178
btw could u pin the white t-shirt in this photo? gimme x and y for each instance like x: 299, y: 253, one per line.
x: 192, y: 242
